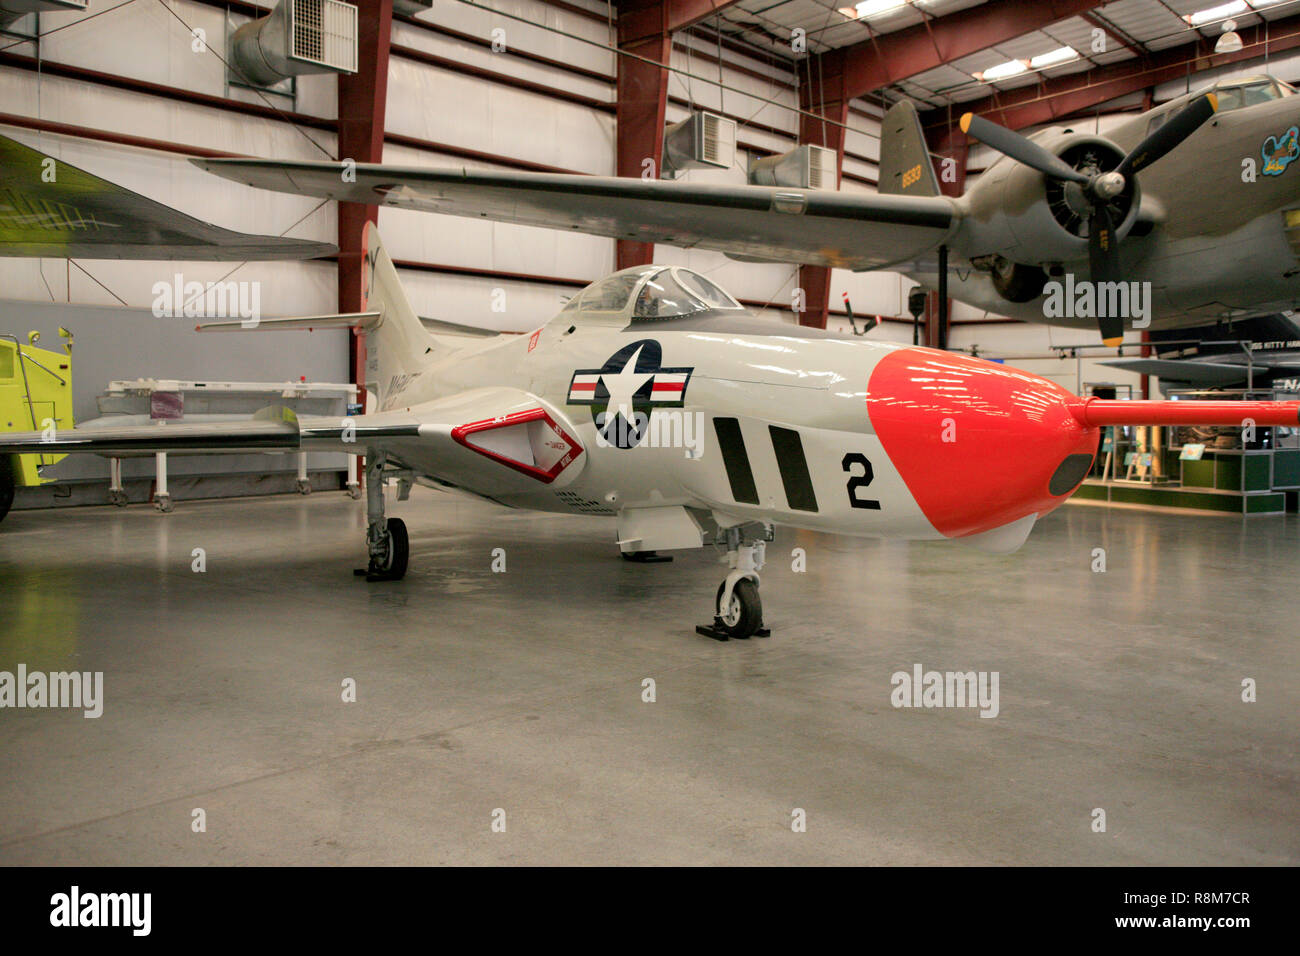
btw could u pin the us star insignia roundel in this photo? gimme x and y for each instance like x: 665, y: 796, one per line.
x: 627, y: 388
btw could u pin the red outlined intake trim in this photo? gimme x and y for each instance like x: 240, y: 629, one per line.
x: 461, y: 434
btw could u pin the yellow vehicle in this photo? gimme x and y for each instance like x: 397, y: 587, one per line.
x: 35, y: 395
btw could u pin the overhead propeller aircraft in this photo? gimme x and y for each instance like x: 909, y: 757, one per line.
x: 655, y: 398
x: 1164, y: 199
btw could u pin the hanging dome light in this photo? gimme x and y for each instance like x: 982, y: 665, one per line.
x: 1230, y: 42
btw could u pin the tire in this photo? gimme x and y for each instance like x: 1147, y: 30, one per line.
x: 7, y: 482
x: 745, y: 616
x: 1017, y: 282
x: 399, y: 550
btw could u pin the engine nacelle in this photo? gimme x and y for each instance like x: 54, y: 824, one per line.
x: 1020, y: 218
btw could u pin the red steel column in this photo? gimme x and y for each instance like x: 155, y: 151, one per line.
x: 822, y: 93
x: 362, y: 98
x: 642, y: 90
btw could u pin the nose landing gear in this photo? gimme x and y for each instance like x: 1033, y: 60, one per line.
x: 738, y: 609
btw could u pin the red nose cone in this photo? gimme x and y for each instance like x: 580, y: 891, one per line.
x: 979, y: 445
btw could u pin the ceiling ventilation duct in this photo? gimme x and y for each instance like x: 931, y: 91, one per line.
x: 701, y: 141
x: 805, y: 167
x: 300, y: 36
x: 11, y: 10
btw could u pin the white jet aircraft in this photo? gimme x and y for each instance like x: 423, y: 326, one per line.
x: 654, y: 398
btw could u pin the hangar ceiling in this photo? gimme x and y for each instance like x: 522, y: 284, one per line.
x: 1131, y: 28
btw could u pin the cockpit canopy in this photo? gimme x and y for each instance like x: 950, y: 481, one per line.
x: 1234, y: 94
x: 651, y: 293
x: 1238, y: 94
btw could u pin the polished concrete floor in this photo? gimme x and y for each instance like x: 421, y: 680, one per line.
x: 522, y: 692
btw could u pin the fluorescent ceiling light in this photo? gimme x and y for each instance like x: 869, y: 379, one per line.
x: 1211, y: 14
x: 1015, y: 67
x: 874, y: 8
x: 1003, y: 70
x: 1053, y: 58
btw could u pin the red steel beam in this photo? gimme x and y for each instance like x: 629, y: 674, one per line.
x: 878, y: 62
x: 108, y: 136
x: 83, y: 75
x: 1066, y: 95
x: 506, y: 79
x: 642, y: 101
x: 510, y: 51
x: 362, y: 99
x: 823, y: 93
x: 641, y: 19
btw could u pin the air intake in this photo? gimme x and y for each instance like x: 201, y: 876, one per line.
x: 299, y: 37
x: 806, y: 167
x: 702, y: 140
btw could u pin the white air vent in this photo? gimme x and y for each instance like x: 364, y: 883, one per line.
x: 821, y: 168
x: 701, y: 140
x: 300, y: 36
x: 805, y: 167
x: 324, y: 33
x: 718, y: 142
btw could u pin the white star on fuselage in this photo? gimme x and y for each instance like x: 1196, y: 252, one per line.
x: 622, y: 387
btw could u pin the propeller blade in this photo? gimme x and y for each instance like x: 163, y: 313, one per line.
x: 1103, y: 258
x: 1019, y: 148
x: 1179, y: 126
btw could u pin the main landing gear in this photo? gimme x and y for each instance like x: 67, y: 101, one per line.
x: 386, y: 539
x: 738, y: 610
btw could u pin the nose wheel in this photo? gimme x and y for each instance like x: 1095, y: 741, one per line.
x: 737, y: 607
x: 742, y: 617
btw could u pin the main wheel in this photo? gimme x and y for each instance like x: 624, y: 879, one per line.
x: 744, y: 614
x: 392, y: 566
x: 6, y: 485
x: 1017, y: 282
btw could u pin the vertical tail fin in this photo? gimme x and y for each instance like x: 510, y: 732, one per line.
x: 905, y: 167
x: 398, y: 344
